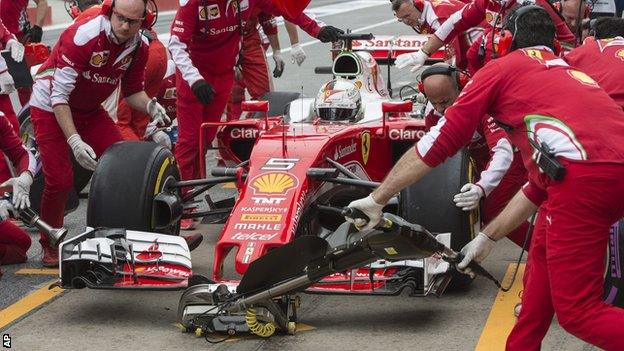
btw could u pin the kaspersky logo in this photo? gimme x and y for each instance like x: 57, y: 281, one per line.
x: 274, y: 183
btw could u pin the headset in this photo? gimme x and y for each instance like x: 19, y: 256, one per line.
x: 506, y: 41
x: 460, y: 77
x: 149, y: 16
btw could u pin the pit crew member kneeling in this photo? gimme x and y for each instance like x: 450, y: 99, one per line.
x: 501, y: 172
x: 575, y: 174
x: 90, y: 59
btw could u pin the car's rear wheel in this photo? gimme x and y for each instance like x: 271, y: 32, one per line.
x: 128, y: 177
x: 429, y: 202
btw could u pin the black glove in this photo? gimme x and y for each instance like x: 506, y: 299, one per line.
x: 34, y: 34
x: 203, y: 91
x: 329, y: 34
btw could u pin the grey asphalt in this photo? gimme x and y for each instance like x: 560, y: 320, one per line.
x: 113, y: 320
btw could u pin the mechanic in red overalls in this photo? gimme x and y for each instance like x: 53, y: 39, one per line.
x: 427, y: 16
x: 254, y: 69
x: 205, y: 42
x: 15, y: 17
x: 501, y: 172
x: 14, y: 242
x: 493, y: 12
x: 602, y: 57
x: 569, y: 10
x: 528, y: 93
x: 89, y: 61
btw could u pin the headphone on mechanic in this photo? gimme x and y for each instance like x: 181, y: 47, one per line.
x: 460, y: 78
x: 507, y: 38
x: 149, y: 16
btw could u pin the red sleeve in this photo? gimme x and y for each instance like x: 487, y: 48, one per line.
x: 534, y: 193
x: 134, y: 79
x: 469, y: 16
x: 303, y: 21
x: 461, y: 120
x: 182, y: 28
x: 13, y: 148
x: 5, y: 35
x: 268, y: 23
x: 562, y: 31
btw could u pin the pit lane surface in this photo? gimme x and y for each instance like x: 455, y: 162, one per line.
x: 37, y: 319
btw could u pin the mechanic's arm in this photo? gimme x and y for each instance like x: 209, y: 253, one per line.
x: 138, y: 101
x: 325, y: 34
x: 42, y: 11
x: 297, y: 54
x: 518, y: 210
x: 293, y: 33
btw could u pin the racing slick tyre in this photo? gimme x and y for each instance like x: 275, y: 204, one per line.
x: 278, y: 102
x: 429, y: 202
x: 128, y: 177
x: 81, y: 175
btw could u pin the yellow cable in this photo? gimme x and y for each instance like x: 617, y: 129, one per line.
x: 263, y: 330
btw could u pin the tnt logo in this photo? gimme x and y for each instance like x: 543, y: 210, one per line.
x: 6, y: 341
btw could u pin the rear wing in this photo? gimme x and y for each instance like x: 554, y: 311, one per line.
x: 385, y: 48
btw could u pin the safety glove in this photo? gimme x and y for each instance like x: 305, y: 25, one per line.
x: 279, y: 64
x: 6, y: 208
x: 157, y: 113
x: 21, y: 189
x: 7, y: 84
x: 203, y: 91
x: 34, y: 34
x: 16, y: 48
x: 83, y: 152
x: 297, y: 55
x: 329, y: 34
x: 371, y: 208
x: 469, y: 197
x: 476, y: 250
x: 416, y: 60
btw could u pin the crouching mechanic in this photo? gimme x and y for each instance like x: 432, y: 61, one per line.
x: 501, y: 172
x: 602, y: 56
x: 575, y: 174
x: 14, y: 242
x: 205, y: 44
x: 89, y: 61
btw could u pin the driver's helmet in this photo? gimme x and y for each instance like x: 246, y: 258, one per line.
x: 339, y: 100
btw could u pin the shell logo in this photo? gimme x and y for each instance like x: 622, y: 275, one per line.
x: 582, y: 77
x: 620, y: 54
x: 202, y: 13
x: 99, y: 59
x: 274, y: 183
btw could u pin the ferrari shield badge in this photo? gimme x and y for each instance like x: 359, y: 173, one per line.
x: 365, y: 146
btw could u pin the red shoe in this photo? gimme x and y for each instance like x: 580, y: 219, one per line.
x: 50, y: 257
x: 187, y: 224
x: 193, y: 241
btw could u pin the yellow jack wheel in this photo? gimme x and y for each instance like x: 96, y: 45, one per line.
x: 292, y: 328
x: 199, y: 332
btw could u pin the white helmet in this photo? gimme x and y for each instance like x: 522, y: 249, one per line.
x: 339, y: 100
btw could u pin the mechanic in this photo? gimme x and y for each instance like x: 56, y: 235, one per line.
x: 91, y: 58
x: 426, y: 16
x: 492, y: 11
x: 204, y: 43
x: 501, y: 170
x: 575, y: 174
x: 569, y: 10
x: 339, y: 101
x: 253, y: 68
x: 602, y: 56
x: 14, y: 242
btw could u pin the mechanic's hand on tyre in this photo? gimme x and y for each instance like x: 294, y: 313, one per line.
x: 83, y: 152
x: 34, y: 34
x: 162, y: 139
x: 7, y: 85
x: 203, y: 91
x: 469, y: 196
x: 329, y: 34
x: 16, y: 48
x: 157, y: 113
x: 297, y: 55
x: 21, y: 189
x: 371, y: 208
x: 476, y: 250
x: 6, y: 208
x: 416, y: 60
x: 279, y: 64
